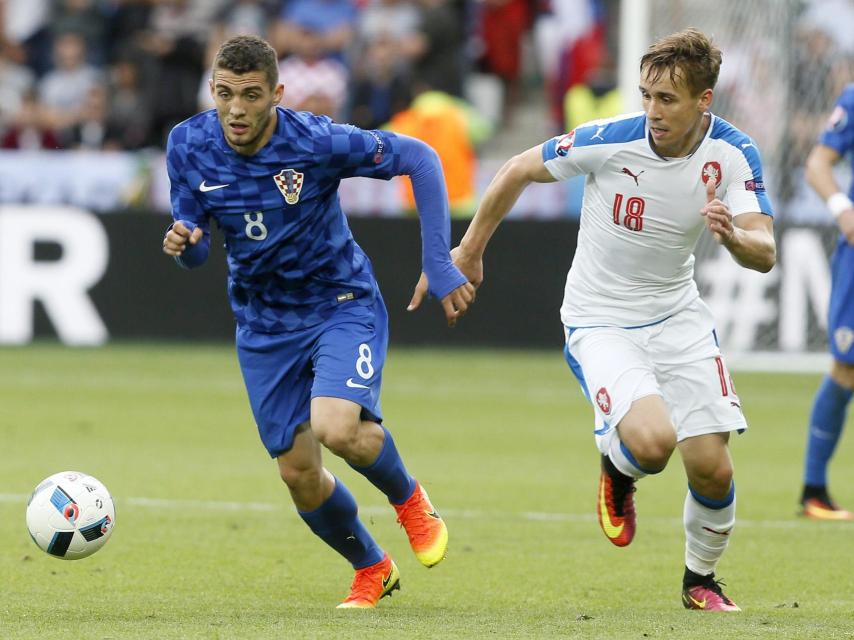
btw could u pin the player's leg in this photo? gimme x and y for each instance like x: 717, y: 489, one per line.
x: 346, y: 417
x: 708, y: 517
x: 827, y: 419
x: 705, y: 407
x: 830, y: 406
x: 277, y: 372
x: 328, y: 508
x: 633, y: 430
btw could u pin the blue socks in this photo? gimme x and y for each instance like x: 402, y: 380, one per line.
x: 337, y: 523
x: 388, y: 474
x: 826, y: 421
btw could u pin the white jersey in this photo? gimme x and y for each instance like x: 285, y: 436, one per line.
x: 640, y: 220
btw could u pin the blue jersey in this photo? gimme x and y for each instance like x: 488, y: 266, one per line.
x: 291, y: 256
x: 839, y: 131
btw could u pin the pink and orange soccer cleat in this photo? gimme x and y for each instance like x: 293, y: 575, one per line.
x: 428, y: 535
x: 616, y: 504
x: 372, y: 583
x: 707, y: 597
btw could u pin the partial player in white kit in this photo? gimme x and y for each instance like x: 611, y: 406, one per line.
x: 638, y: 337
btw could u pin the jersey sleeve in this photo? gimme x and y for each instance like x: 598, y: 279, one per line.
x: 185, y: 206
x: 573, y: 154
x: 838, y: 133
x: 349, y: 151
x: 745, y: 192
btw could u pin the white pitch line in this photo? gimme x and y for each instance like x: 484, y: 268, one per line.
x: 463, y: 514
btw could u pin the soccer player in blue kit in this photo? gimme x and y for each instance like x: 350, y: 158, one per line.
x: 831, y: 401
x: 311, y: 323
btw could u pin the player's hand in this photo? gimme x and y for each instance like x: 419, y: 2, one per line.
x: 470, y: 266
x: 846, y: 225
x: 176, y: 239
x: 455, y: 304
x: 718, y: 216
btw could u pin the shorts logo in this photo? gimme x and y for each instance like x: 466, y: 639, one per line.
x: 603, y: 400
x: 843, y: 337
x: 289, y: 183
x: 565, y: 144
x: 712, y: 171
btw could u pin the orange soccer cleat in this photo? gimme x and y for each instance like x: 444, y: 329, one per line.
x: 616, y: 505
x: 817, y: 505
x: 372, y: 583
x: 428, y: 535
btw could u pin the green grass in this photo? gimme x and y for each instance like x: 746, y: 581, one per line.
x: 207, y: 544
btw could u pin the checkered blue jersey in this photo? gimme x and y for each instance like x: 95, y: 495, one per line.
x: 838, y: 133
x: 291, y: 256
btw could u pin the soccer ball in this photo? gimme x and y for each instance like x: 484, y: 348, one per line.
x: 70, y: 515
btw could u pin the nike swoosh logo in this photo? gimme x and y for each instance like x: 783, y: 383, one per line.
x: 204, y: 188
x: 387, y: 579
x: 700, y: 604
x: 356, y: 385
x: 433, y: 514
x: 610, y: 530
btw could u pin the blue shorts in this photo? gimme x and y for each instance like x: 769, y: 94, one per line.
x: 342, y: 357
x: 840, y: 316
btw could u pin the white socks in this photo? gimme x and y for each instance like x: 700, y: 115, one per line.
x: 708, y: 525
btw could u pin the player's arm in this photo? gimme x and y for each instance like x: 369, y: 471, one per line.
x: 187, y: 239
x: 749, y: 237
x: 500, y: 196
x: 819, y: 173
x: 421, y: 163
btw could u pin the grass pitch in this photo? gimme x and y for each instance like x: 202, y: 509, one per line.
x: 207, y: 544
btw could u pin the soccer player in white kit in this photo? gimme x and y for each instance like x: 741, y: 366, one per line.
x: 638, y: 337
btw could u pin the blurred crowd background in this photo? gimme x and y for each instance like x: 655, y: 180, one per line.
x: 477, y: 79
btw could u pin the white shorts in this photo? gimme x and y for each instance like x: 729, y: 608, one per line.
x: 677, y: 359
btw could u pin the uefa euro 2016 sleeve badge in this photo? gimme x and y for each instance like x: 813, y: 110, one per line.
x: 289, y: 183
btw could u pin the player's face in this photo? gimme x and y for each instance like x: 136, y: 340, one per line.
x: 246, y: 107
x: 674, y: 114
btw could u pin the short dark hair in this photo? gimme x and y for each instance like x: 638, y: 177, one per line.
x: 690, y: 52
x: 243, y: 54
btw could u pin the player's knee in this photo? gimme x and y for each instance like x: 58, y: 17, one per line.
x: 301, y: 479
x: 653, y: 447
x: 843, y: 374
x: 712, y: 481
x: 339, y: 435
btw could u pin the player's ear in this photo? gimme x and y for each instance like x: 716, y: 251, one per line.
x: 278, y: 93
x: 211, y: 87
x: 705, y: 101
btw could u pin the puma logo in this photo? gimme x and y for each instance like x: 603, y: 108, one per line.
x: 629, y: 173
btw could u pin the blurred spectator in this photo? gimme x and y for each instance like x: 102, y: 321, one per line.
x: 595, y: 99
x: 332, y: 21
x: 85, y: 18
x: 29, y: 129
x: 90, y: 130
x: 441, y: 62
x: 570, y: 41
x: 16, y: 81
x: 396, y: 19
x: 238, y: 18
x: 835, y: 18
x: 501, y: 26
x: 129, y: 115
x: 64, y: 90
x: 313, y: 82
x: 174, y: 41
x: 453, y: 129
x: 25, y: 36
x: 382, y: 85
